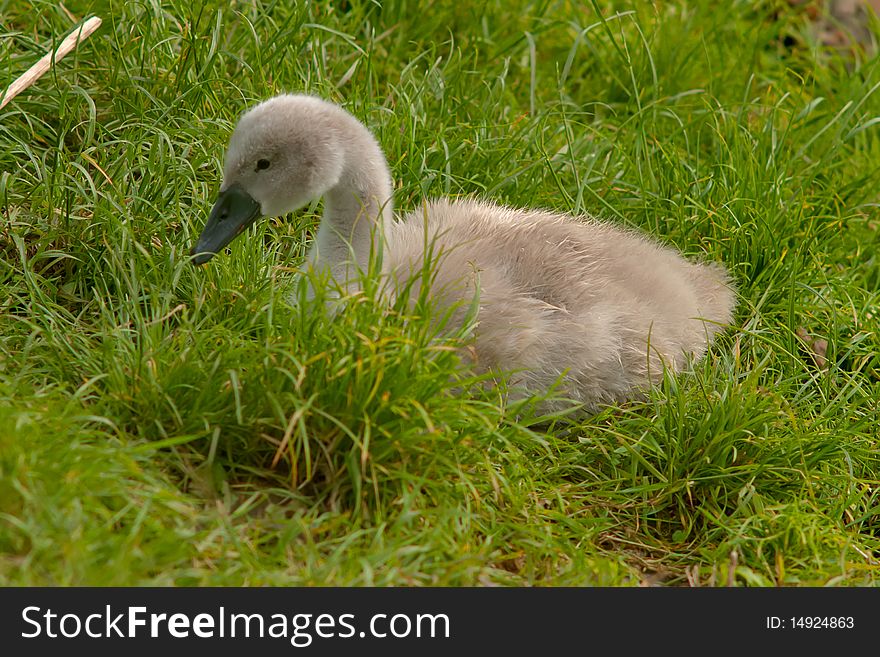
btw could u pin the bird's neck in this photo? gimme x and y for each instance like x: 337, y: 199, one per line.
x: 357, y: 212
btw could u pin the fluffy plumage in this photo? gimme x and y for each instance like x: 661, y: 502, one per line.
x: 604, y: 307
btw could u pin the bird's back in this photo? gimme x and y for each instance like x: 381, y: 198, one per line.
x: 563, y: 295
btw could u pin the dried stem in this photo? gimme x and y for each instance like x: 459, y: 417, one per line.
x: 36, y: 71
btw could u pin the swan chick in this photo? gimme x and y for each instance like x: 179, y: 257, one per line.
x: 598, y: 309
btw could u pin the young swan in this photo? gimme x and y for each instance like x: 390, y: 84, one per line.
x: 607, y: 308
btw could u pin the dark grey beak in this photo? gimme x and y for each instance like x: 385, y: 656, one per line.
x: 233, y: 211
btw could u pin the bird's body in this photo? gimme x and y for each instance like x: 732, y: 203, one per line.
x: 601, y: 307
x: 569, y: 296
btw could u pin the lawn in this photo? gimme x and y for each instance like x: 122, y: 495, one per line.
x: 163, y: 424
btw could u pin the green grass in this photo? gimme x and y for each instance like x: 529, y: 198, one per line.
x: 166, y: 424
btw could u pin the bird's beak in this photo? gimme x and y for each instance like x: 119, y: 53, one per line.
x: 233, y: 211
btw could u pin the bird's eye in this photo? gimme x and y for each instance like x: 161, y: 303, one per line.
x: 263, y: 163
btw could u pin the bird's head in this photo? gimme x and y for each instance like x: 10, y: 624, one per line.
x: 284, y: 153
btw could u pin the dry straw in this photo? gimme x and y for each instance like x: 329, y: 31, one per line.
x: 36, y: 71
